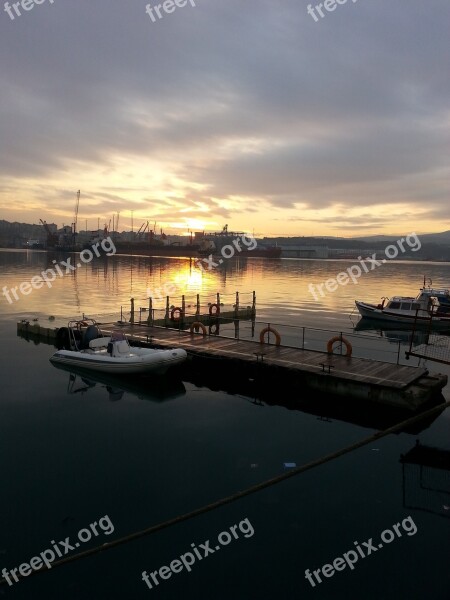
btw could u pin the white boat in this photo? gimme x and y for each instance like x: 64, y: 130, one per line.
x: 112, y: 354
x: 430, y: 307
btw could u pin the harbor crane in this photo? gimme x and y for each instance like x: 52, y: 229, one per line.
x: 52, y: 238
x: 75, y: 219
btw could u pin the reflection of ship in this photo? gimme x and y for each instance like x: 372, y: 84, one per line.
x: 144, y: 387
x: 392, y: 331
x: 240, y: 245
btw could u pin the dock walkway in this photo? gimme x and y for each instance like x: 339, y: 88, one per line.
x: 282, y: 366
x: 354, y: 369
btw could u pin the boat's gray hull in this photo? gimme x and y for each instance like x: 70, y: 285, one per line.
x: 371, y: 311
x: 158, y: 364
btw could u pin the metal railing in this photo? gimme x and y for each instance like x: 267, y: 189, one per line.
x: 294, y: 336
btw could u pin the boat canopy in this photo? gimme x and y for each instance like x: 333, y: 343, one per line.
x: 117, y: 336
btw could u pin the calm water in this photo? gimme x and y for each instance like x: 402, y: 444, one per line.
x: 74, y: 450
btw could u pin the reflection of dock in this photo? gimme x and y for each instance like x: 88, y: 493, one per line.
x: 325, y: 407
x: 426, y: 480
x: 285, y: 366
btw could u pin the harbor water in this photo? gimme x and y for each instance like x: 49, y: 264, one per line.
x: 76, y: 450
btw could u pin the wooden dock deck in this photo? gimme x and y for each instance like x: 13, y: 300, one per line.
x: 355, y: 369
x: 281, y: 366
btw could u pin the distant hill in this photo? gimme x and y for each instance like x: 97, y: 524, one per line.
x: 434, y: 238
x: 434, y: 246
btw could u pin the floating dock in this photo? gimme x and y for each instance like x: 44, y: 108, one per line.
x: 180, y: 317
x: 281, y: 367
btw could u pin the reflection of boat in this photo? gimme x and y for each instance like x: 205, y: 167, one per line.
x: 428, y: 304
x: 392, y: 331
x: 239, y: 244
x: 144, y: 387
x: 88, y: 349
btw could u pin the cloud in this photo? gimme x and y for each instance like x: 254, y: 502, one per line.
x: 226, y: 109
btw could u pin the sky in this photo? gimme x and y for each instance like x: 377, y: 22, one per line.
x: 251, y: 113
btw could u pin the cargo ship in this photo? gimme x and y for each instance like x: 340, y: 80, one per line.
x: 158, y: 246
x: 242, y: 243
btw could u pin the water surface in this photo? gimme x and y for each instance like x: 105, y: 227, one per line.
x: 74, y: 449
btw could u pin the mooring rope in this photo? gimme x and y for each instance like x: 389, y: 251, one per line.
x: 247, y: 492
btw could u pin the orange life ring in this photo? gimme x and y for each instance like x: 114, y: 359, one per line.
x: 172, y: 313
x: 270, y: 329
x: 339, y: 338
x: 197, y: 325
x: 216, y: 312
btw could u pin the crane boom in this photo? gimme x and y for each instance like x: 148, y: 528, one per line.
x: 52, y: 238
x: 77, y: 205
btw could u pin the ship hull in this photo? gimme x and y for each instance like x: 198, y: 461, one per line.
x: 157, y: 250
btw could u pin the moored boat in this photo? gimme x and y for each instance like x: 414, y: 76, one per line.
x: 87, y: 349
x: 430, y: 307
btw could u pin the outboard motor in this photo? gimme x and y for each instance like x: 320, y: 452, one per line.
x: 91, y: 333
x: 63, y: 339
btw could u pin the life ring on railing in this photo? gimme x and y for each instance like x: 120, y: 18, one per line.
x: 339, y: 338
x: 197, y: 325
x: 270, y: 329
x: 214, y: 331
x: 173, y: 311
x: 216, y: 312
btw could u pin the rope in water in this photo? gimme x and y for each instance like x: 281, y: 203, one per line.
x: 251, y: 490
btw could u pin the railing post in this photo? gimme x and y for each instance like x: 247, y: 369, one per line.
x: 254, y: 305
x: 166, y: 317
x: 236, y: 308
x: 197, y: 310
x: 132, y: 310
x: 150, y: 311
x: 121, y: 314
x: 236, y: 329
x: 183, y: 312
